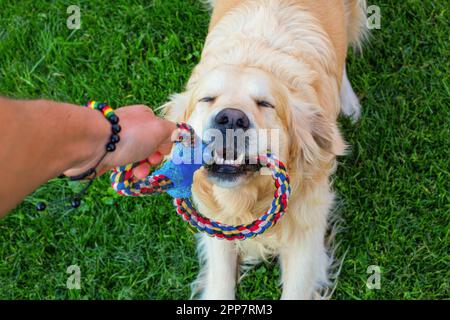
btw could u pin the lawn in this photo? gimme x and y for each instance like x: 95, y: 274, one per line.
x: 393, y: 187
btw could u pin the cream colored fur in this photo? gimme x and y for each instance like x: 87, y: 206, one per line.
x: 294, y: 51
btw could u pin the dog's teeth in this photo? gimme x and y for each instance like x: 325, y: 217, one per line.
x: 219, y: 160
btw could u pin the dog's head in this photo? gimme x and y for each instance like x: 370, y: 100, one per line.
x: 244, y: 112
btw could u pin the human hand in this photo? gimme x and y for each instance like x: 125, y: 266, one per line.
x: 144, y: 136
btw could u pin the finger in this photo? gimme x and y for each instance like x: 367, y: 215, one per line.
x: 142, y: 171
x: 165, y: 148
x: 175, y: 135
x: 155, y: 158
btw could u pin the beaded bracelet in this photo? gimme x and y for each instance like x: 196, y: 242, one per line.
x: 109, y: 114
x: 113, y: 119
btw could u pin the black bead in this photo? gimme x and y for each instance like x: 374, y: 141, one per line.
x: 114, y: 119
x: 75, y: 203
x: 110, y: 147
x: 115, y: 138
x: 40, y: 206
x: 116, y: 128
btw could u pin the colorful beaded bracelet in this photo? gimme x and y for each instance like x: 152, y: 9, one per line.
x: 90, y: 174
x: 113, y: 119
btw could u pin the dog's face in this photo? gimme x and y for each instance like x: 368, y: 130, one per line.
x: 243, y: 112
x: 239, y: 111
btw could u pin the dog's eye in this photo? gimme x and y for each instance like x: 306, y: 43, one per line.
x: 207, y: 99
x: 264, y: 104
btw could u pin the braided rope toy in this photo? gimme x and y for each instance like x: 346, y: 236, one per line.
x: 175, y: 177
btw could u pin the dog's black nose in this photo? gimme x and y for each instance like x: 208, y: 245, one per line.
x: 230, y: 118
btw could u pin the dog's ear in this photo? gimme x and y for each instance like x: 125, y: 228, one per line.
x: 326, y: 135
x: 313, y: 136
x: 176, y: 108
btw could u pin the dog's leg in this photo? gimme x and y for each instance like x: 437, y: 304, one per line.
x: 219, y: 271
x: 349, y: 101
x: 304, y: 265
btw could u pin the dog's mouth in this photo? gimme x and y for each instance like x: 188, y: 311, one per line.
x: 231, y: 170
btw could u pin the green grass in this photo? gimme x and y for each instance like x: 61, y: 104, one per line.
x: 393, y: 187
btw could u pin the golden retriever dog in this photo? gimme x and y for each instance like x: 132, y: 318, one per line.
x: 277, y: 65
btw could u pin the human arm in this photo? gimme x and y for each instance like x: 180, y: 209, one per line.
x: 41, y: 139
